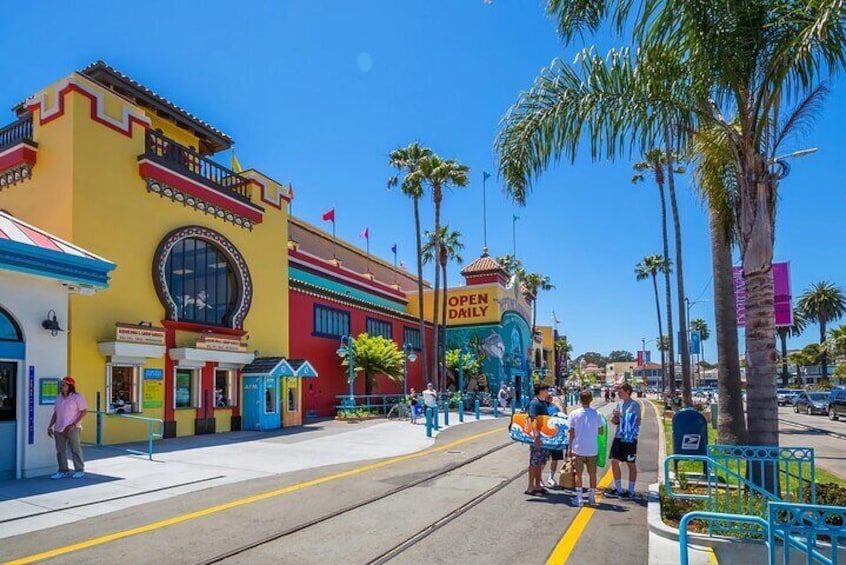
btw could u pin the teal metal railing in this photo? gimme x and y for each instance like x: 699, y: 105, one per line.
x: 152, y: 435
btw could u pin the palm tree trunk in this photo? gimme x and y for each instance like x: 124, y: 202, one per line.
x: 671, y: 357
x: 437, y: 197
x: 823, y: 353
x: 683, y: 346
x: 757, y: 218
x: 785, y: 376
x: 731, y: 427
x: 425, y: 356
x: 436, y: 350
x: 660, y: 325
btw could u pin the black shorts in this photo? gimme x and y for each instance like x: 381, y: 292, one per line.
x: 556, y: 454
x: 622, y: 451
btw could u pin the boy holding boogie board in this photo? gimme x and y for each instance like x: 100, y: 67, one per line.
x: 585, y: 424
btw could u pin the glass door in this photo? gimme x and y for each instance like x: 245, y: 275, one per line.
x: 8, y: 418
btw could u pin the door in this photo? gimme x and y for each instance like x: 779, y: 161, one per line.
x: 9, y: 396
x: 251, y: 403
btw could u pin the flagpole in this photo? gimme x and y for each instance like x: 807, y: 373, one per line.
x: 395, y: 262
x: 368, y: 251
x: 485, y: 209
x: 334, y: 245
x: 514, y: 236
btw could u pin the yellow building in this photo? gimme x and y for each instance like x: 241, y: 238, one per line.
x: 106, y: 163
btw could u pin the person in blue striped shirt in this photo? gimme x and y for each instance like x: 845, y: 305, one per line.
x: 627, y: 417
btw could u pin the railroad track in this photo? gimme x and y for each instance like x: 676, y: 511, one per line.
x: 408, y: 542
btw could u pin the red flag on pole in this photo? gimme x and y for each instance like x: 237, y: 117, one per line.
x: 329, y: 216
x: 366, y: 233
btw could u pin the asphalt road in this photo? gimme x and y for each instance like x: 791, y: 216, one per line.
x: 502, y: 525
x: 826, y: 437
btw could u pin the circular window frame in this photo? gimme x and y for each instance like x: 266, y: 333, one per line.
x: 244, y: 282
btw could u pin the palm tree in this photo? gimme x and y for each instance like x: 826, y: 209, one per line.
x: 701, y: 326
x: 650, y: 267
x: 824, y: 302
x: 439, y: 174
x: 693, y: 66
x: 374, y: 355
x: 450, y: 246
x: 656, y: 162
x: 716, y: 182
x: 407, y: 159
x: 836, y: 340
x: 510, y: 264
x: 534, y: 283
x: 793, y: 330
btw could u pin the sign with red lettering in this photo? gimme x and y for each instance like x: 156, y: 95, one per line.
x: 465, y: 307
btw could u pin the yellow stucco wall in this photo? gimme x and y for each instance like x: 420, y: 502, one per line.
x: 86, y: 188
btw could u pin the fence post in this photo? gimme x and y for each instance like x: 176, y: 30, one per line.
x: 461, y: 410
x: 446, y: 413
x: 99, y: 422
x: 150, y: 440
x: 428, y: 422
x: 436, y: 416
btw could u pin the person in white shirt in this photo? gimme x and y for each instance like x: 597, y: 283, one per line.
x: 502, y: 396
x: 585, y: 425
x: 430, y: 397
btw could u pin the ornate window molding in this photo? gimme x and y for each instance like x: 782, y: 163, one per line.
x: 244, y: 284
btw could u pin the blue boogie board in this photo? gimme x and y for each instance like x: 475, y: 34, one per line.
x: 554, y: 432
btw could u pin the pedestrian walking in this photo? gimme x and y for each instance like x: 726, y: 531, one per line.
x: 556, y: 408
x: 538, y: 406
x: 430, y: 396
x: 413, y: 404
x: 627, y: 417
x: 585, y: 425
x: 502, y: 396
x: 65, y: 427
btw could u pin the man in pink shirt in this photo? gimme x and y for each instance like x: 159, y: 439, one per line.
x: 65, y: 426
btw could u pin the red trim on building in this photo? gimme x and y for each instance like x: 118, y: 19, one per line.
x: 484, y: 279
x: 349, y: 277
x: 263, y: 190
x: 93, y: 101
x: 199, y: 328
x: 149, y: 170
x: 16, y: 155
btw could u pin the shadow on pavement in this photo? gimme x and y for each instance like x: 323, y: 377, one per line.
x: 10, y: 490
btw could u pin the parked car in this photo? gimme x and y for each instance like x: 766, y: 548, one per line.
x: 837, y: 403
x: 786, y: 396
x: 811, y: 402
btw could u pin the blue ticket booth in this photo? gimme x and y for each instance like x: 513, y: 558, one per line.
x: 262, y: 395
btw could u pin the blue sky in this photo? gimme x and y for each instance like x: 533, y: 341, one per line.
x: 318, y: 92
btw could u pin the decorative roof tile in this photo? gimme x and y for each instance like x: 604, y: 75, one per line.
x: 482, y: 266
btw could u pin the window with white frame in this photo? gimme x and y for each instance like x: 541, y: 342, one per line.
x: 225, y: 394
x: 185, y: 388
x: 123, y: 388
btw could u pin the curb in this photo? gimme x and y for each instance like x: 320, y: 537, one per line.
x: 662, y: 446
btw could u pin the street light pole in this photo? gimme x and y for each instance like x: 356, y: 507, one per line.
x: 346, y: 341
x: 407, y: 355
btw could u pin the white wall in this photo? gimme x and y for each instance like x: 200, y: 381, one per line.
x: 28, y: 299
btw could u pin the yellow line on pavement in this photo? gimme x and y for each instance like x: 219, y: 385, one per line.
x: 712, y: 557
x: 568, y: 541
x: 240, y: 502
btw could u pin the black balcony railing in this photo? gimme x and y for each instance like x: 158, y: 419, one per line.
x: 16, y: 132
x: 190, y: 163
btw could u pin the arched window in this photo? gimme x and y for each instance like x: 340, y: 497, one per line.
x: 9, y: 330
x: 201, y: 278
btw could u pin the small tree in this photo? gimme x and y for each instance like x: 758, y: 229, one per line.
x: 374, y: 355
x: 468, y: 360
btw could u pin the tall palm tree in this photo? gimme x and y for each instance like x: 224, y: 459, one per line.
x: 715, y: 177
x: 696, y: 63
x: 439, y: 174
x: 649, y: 268
x: 655, y: 161
x: 449, y: 242
x: 701, y: 326
x: 837, y: 340
x: 793, y: 330
x: 824, y: 302
x: 535, y: 283
x: 407, y: 160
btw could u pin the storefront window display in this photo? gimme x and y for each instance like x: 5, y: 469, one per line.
x: 122, y: 385
x: 224, y: 388
x: 201, y: 282
x: 185, y: 388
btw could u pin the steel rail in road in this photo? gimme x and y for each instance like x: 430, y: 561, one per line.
x: 334, y: 514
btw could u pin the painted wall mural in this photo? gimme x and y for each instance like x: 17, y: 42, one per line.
x: 502, y: 349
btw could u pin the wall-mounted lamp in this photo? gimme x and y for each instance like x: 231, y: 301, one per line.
x: 51, y: 324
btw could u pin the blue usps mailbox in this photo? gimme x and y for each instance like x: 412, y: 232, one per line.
x: 690, y: 433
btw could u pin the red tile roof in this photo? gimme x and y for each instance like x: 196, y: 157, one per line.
x: 482, y: 266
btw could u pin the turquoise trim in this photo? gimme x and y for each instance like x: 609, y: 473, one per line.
x: 282, y: 369
x: 12, y: 350
x: 23, y: 258
x: 306, y: 371
x: 343, y: 289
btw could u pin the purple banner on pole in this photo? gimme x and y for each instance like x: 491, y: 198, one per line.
x: 782, y: 297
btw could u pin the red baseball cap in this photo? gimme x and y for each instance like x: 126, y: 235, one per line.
x: 69, y: 380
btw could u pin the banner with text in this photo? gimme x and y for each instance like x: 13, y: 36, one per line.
x: 783, y: 299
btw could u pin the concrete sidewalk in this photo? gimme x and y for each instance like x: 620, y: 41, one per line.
x: 115, y: 480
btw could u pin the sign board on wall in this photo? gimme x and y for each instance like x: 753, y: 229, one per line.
x: 469, y: 307
x: 783, y: 299
x: 153, y: 388
x: 146, y: 335
x: 217, y: 342
x: 48, y: 390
